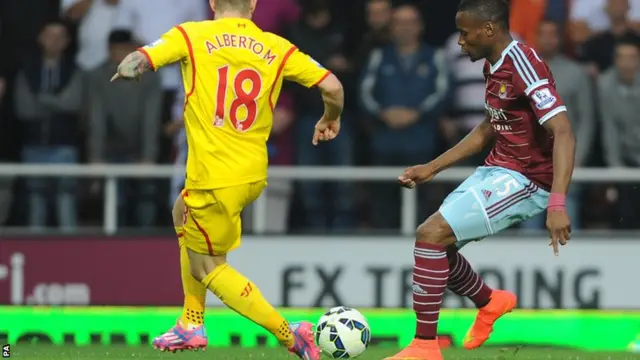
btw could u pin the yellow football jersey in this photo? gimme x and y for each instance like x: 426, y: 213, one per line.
x: 232, y: 73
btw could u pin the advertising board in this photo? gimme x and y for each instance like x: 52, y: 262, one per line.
x: 296, y: 271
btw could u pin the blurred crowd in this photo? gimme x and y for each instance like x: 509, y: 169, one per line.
x: 410, y: 94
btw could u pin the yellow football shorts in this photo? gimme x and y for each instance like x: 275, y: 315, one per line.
x: 212, y: 223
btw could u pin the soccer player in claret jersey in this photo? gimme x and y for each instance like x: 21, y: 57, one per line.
x: 529, y: 169
x: 232, y: 73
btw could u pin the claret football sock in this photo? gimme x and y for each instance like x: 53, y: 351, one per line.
x: 194, y: 292
x: 464, y: 281
x: 242, y: 296
x: 430, y: 275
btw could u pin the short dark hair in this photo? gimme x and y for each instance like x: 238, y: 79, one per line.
x: 56, y: 22
x: 313, y: 7
x: 629, y: 40
x: 488, y: 10
x: 120, y: 36
x: 550, y: 21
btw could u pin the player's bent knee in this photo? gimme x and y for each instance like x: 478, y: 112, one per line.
x: 202, y: 265
x: 435, y: 231
x: 197, y: 272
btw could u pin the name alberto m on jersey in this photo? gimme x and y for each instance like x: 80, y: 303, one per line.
x: 240, y: 42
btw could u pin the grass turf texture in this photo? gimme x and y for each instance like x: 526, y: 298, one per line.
x: 33, y: 352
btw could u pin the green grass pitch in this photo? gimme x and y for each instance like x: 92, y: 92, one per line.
x: 33, y: 352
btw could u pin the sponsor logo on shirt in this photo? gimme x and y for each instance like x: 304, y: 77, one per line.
x: 155, y: 43
x: 543, y: 98
x: 317, y: 63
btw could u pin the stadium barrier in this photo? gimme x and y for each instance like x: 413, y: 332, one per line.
x: 111, y: 173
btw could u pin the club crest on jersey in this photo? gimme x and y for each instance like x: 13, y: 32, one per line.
x: 543, y: 99
x: 502, y: 93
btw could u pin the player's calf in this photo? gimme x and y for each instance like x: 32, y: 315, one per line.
x: 464, y: 281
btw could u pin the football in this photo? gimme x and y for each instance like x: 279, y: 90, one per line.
x: 343, y: 333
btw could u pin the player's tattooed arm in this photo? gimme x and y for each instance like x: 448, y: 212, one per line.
x: 132, y: 67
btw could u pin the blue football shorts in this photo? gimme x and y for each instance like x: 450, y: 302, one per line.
x: 489, y: 201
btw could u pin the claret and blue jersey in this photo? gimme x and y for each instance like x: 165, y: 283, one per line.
x: 514, y: 183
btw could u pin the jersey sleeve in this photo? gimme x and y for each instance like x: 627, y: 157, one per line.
x: 171, y: 47
x: 533, y: 80
x: 303, y: 69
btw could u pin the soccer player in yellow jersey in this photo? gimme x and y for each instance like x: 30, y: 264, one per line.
x: 233, y: 74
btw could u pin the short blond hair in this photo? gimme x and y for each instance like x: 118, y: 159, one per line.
x: 233, y: 5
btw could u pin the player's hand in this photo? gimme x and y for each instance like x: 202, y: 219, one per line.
x: 559, y: 227
x: 417, y: 175
x: 326, y: 130
x: 132, y: 67
x: 124, y: 72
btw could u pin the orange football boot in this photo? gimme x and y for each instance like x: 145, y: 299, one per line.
x: 419, y: 350
x: 501, y: 302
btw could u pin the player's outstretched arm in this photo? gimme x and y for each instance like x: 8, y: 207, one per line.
x: 472, y: 144
x: 133, y: 66
x: 333, y: 97
x: 302, y: 69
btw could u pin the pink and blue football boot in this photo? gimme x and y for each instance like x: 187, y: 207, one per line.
x: 305, y: 347
x: 179, y: 339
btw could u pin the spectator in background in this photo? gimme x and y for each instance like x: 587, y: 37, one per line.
x: 377, y: 35
x: 147, y: 24
x: 404, y: 92
x: 176, y: 131
x: 47, y: 98
x: 95, y: 20
x: 557, y: 11
x: 439, y: 16
x: 525, y: 18
x: 22, y: 21
x: 124, y: 126
x: 281, y: 152
x: 321, y: 37
x: 598, y: 50
x: 574, y: 86
x: 590, y: 17
x: 620, y: 106
x: 467, y: 108
x: 6, y: 195
x: 276, y: 16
